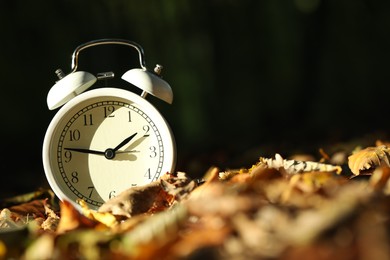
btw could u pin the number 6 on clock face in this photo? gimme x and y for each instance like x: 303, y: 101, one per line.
x: 103, y: 142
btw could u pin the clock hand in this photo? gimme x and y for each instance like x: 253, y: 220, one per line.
x: 110, y: 152
x: 131, y: 151
x: 81, y: 150
x: 128, y: 139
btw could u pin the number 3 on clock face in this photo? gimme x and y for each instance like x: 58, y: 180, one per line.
x: 103, y: 142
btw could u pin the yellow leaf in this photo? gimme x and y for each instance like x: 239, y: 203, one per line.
x: 105, y: 218
x: 368, y: 159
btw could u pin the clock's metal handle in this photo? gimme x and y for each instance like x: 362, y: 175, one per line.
x: 84, y: 46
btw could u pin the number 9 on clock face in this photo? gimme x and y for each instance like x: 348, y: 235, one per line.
x: 103, y: 142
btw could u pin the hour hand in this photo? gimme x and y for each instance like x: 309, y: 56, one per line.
x: 82, y: 150
x: 124, y: 142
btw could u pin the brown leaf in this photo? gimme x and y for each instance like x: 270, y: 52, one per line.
x: 178, y: 186
x: 34, y: 207
x: 72, y: 219
x: 28, y: 197
x: 151, y: 198
x: 134, y: 201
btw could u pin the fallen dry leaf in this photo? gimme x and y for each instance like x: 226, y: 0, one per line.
x: 72, y: 219
x: 105, y: 218
x: 151, y: 198
x: 295, y: 167
x: 134, y: 201
x: 366, y: 160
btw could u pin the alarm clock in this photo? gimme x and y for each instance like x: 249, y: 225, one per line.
x: 106, y: 140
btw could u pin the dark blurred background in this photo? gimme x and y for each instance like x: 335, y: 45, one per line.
x: 246, y: 74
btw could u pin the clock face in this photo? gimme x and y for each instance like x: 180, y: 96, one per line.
x: 104, y: 142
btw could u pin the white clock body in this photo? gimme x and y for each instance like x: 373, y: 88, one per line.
x: 103, y: 142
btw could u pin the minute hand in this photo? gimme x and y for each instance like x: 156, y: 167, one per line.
x: 81, y: 150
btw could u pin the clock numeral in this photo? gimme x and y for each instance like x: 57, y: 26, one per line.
x: 153, y: 152
x: 75, y: 177
x: 108, y: 111
x: 146, y: 128
x: 74, y: 135
x: 129, y: 116
x: 88, y: 120
x: 68, y: 156
x: 91, y: 189
x: 147, y: 174
x: 111, y: 194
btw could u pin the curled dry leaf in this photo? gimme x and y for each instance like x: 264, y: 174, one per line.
x: 8, y: 220
x: 179, y: 185
x: 34, y: 207
x: 105, y: 218
x: 51, y: 221
x: 294, y: 166
x: 366, y: 160
x: 20, y: 215
x: 153, y: 197
x: 133, y: 201
x: 147, y: 238
x: 72, y: 219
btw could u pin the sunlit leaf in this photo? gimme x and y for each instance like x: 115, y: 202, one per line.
x: 72, y: 219
x: 105, y: 218
x: 366, y: 160
x: 294, y: 166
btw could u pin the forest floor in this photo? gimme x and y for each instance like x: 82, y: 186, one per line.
x: 334, y: 204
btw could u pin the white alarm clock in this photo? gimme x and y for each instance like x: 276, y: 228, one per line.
x: 106, y: 140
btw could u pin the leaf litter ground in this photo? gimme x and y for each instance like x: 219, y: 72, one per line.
x: 336, y: 207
